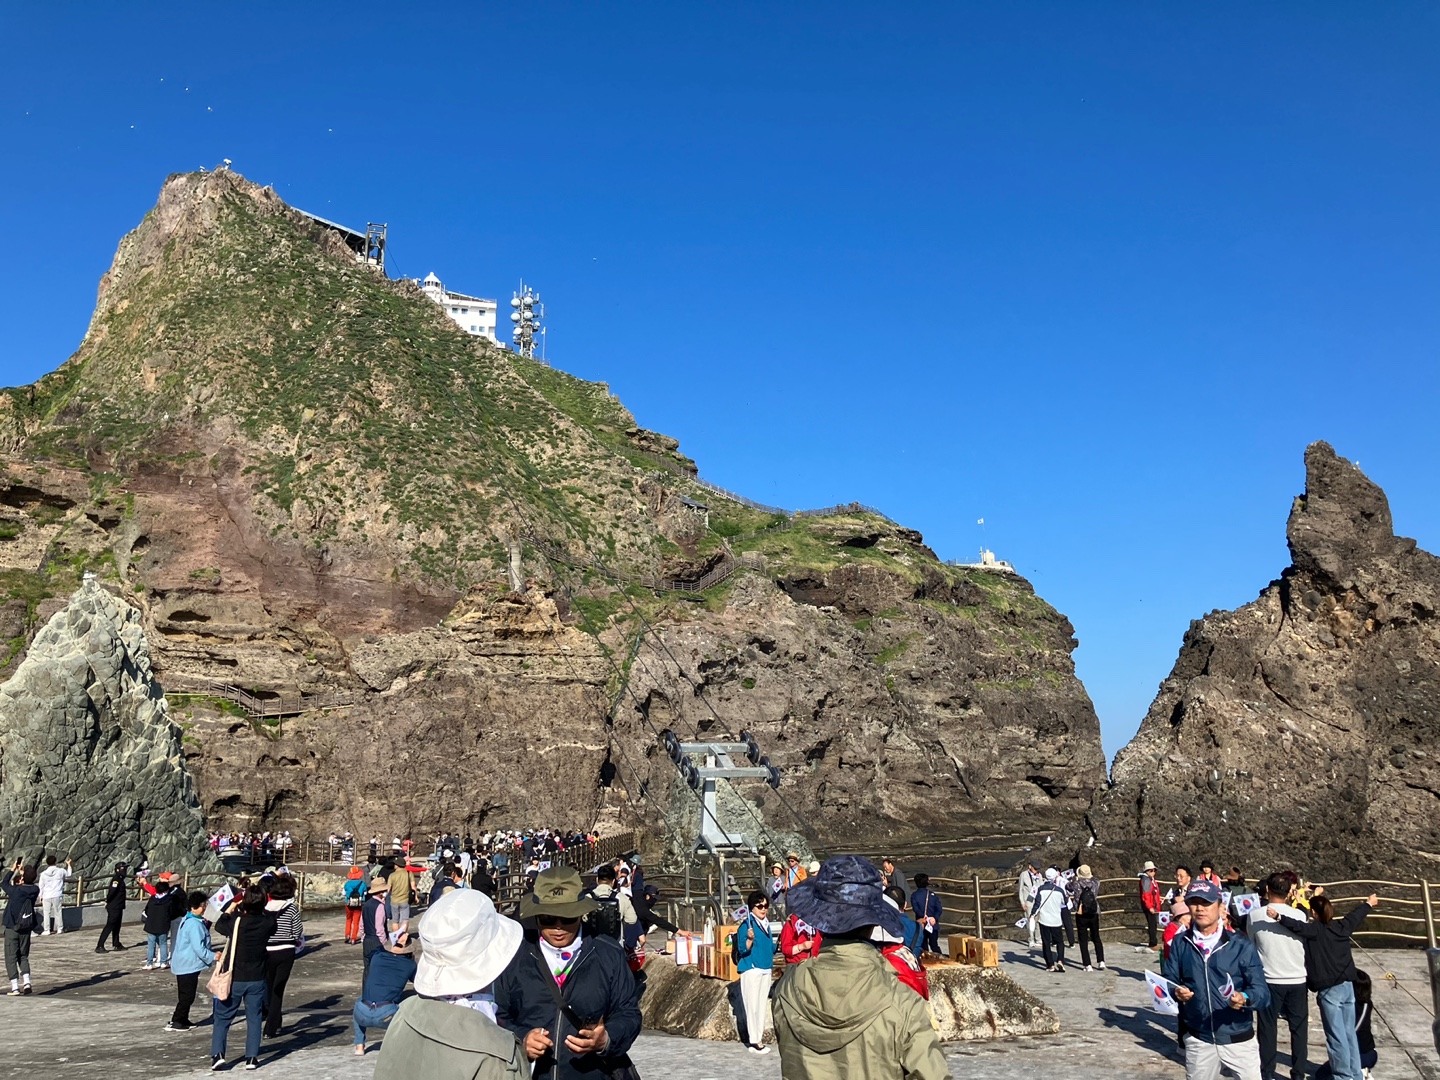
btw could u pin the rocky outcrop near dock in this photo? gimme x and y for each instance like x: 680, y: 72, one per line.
x: 91, y: 765
x: 1301, y: 730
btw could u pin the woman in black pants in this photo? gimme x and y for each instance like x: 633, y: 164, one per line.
x: 1085, y: 894
x: 280, y: 950
x: 114, y: 908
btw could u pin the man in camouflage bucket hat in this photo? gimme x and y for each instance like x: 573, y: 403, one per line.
x: 568, y: 996
x: 844, y: 1013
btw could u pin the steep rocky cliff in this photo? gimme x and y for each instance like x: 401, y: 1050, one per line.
x: 91, y: 765
x: 1301, y: 729
x: 322, y: 496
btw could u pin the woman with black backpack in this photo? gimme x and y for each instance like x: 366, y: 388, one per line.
x: 1085, y: 894
x: 18, y: 884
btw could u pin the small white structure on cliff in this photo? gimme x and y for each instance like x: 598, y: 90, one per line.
x: 989, y: 562
x: 471, y: 313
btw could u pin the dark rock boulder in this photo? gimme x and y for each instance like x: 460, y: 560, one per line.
x: 91, y: 766
x: 1300, y: 730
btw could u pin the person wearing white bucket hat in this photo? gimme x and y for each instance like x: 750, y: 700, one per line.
x: 449, y: 1028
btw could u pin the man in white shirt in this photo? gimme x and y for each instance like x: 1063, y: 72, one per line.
x: 52, y: 894
x: 1048, y: 909
x: 1029, y: 884
x: 1282, y: 955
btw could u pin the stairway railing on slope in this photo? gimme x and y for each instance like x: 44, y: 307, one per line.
x: 261, y: 708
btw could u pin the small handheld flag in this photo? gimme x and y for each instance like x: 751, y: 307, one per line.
x: 1161, y: 999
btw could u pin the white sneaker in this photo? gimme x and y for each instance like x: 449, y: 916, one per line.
x: 146, y: 967
x: 1088, y: 968
x: 1101, y: 965
x: 44, y: 933
x: 759, y: 1049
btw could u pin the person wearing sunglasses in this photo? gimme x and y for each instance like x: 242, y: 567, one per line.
x: 569, y: 997
x: 755, y: 952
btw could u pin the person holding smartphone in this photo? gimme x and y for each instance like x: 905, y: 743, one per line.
x: 569, y: 997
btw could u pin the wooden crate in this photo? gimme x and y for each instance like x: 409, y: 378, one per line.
x: 980, y: 953
x: 705, y: 960
x: 956, y: 943
x: 725, y: 953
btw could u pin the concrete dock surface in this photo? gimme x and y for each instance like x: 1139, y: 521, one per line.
x: 95, y: 1017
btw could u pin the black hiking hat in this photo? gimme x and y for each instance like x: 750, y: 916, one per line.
x: 846, y: 894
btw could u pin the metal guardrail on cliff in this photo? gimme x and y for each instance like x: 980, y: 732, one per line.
x: 261, y: 708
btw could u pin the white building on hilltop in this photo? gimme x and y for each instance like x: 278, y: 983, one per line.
x: 470, y: 313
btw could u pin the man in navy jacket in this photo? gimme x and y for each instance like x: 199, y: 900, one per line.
x: 928, y: 909
x: 1219, y: 983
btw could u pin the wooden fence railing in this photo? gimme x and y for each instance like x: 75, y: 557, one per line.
x: 260, y: 707
x: 989, y: 907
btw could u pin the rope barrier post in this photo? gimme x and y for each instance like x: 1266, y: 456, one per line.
x: 79, y: 889
x: 979, y: 914
x: 1432, y: 963
x: 1429, y: 913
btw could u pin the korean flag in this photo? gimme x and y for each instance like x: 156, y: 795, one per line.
x: 1161, y: 999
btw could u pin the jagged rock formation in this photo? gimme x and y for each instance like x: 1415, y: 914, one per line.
x: 1301, y: 729
x: 91, y: 766
x: 312, y: 483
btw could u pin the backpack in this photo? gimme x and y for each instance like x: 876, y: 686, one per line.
x: 605, y: 920
x: 25, y: 917
x: 1086, y: 902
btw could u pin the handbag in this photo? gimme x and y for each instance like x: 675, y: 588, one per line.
x: 221, y: 978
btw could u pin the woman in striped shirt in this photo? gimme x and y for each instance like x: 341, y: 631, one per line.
x: 281, y: 949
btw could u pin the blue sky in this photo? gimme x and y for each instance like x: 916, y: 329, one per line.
x: 1095, y: 273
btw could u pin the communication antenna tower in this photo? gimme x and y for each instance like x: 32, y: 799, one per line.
x: 526, y: 313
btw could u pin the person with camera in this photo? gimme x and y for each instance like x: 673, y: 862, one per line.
x: 1330, y: 972
x: 568, y: 994
x: 21, y: 920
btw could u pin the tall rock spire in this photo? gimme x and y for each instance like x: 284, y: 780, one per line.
x: 91, y: 766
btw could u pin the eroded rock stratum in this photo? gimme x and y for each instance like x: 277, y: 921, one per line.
x: 1301, y: 729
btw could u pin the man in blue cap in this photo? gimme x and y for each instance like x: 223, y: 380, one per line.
x: 844, y: 1013
x: 1219, y: 983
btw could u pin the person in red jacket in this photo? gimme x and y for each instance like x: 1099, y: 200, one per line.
x: 1179, y: 923
x: 798, y: 940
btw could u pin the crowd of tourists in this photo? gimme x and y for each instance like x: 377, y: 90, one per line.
x: 258, y: 847
x: 553, y: 987
x: 1234, y: 963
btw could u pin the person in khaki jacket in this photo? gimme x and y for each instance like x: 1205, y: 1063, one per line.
x: 399, y: 881
x: 844, y: 1013
x: 448, y: 1029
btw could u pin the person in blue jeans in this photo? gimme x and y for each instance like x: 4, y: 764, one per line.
x: 159, y: 912
x: 1330, y: 972
x: 391, y: 968
x: 249, y: 927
